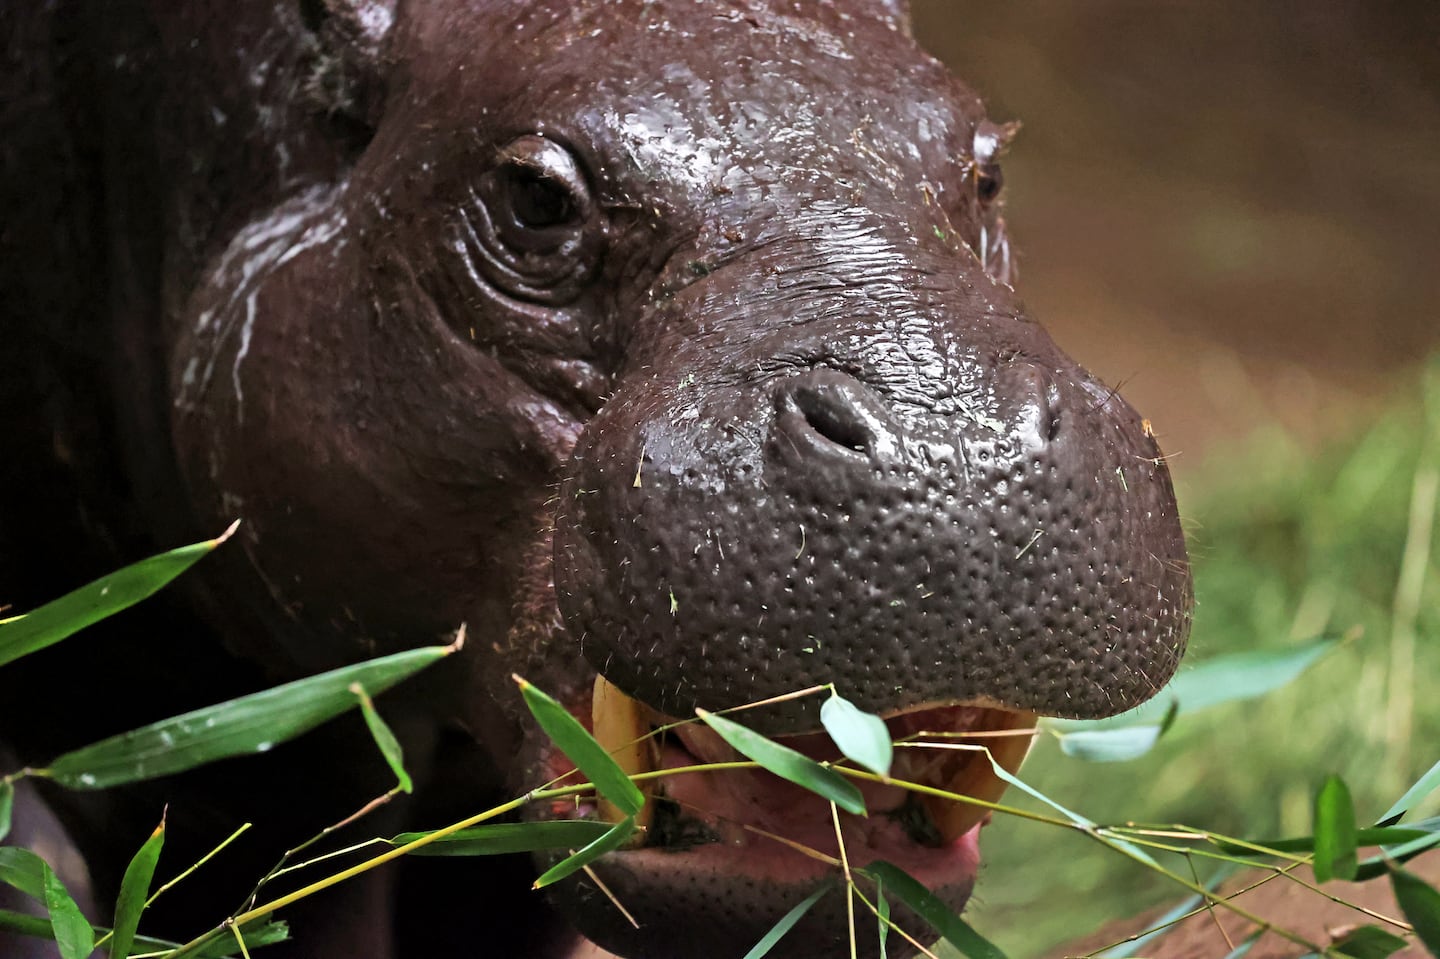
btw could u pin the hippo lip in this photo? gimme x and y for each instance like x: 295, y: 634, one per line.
x: 751, y: 822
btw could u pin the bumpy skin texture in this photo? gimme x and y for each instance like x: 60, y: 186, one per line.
x: 670, y: 339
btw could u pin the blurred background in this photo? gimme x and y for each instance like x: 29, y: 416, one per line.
x: 1232, y: 211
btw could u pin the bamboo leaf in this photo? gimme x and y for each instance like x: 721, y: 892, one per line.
x: 613, y: 839
x: 927, y: 906
x: 786, y: 923
x: 1334, y: 832
x: 134, y: 890
x: 250, y: 724
x: 73, y: 933
x: 1368, y: 942
x: 1109, y: 745
x: 258, y: 932
x: 498, y: 839
x: 24, y: 870
x: 588, y: 755
x: 1421, y: 905
x: 384, y: 739
x: 882, y: 916
x: 1401, y: 852
x: 93, y: 602
x: 1415, y: 795
x: 1389, y: 835
x: 7, y: 806
x: 23, y: 925
x: 1223, y: 679
x: 787, y: 763
x: 861, y: 736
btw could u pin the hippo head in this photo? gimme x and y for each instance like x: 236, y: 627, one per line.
x: 675, y: 344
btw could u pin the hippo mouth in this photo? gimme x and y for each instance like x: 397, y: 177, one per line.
x: 711, y: 820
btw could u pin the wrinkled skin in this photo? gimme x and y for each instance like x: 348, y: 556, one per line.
x: 671, y: 340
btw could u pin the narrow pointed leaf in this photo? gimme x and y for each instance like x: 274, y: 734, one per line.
x: 501, y: 838
x: 1390, y: 835
x: 1334, y: 832
x: 786, y: 923
x: 7, y: 806
x: 258, y: 932
x: 24, y: 870
x: 1109, y: 745
x: 1415, y: 795
x: 1402, y: 852
x: 23, y: 925
x: 613, y: 839
x: 575, y: 741
x: 882, y: 916
x: 134, y: 890
x: 861, y: 736
x: 73, y: 933
x: 384, y: 739
x: 1223, y: 679
x: 1368, y: 942
x: 787, y: 763
x: 1421, y: 904
x: 927, y: 906
x: 93, y: 602
x: 250, y: 724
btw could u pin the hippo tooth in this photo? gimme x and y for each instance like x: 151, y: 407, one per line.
x: 976, y: 778
x: 621, y: 728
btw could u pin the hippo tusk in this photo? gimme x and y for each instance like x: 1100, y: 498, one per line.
x: 621, y: 728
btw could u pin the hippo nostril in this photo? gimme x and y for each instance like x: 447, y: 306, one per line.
x: 826, y: 413
x: 834, y: 421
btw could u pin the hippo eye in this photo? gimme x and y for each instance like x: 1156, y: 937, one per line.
x: 538, y: 202
x: 538, y: 227
x: 989, y: 182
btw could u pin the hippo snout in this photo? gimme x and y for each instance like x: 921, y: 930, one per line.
x: 1013, y: 543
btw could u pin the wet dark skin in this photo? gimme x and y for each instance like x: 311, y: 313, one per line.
x: 675, y: 341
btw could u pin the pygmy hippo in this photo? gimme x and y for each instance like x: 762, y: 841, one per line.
x: 668, y: 345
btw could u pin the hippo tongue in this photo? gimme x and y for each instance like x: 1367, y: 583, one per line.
x: 938, y: 749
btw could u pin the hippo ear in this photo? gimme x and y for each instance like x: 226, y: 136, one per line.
x: 347, y: 77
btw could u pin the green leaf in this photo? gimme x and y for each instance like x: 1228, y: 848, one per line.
x: 250, y: 724
x: 1224, y: 679
x: 861, y: 736
x: 1421, y: 905
x: 24, y: 870
x: 258, y: 932
x: 1374, y: 836
x: 134, y: 889
x: 93, y: 602
x: 1368, y: 942
x: 1109, y: 745
x: 1403, y: 852
x: 1334, y: 832
x: 613, y: 839
x: 7, y: 806
x: 500, y: 838
x: 786, y: 923
x: 882, y: 916
x: 384, y: 739
x: 588, y: 755
x: 21, y: 924
x: 1415, y: 795
x: 73, y: 933
x: 927, y: 906
x: 787, y: 763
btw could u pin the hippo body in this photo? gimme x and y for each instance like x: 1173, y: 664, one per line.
x: 672, y: 343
